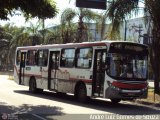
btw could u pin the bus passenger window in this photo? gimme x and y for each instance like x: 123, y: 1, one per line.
x: 55, y: 61
x: 62, y: 63
x: 18, y: 57
x: 84, y: 58
x: 67, y: 57
x: 43, y: 58
x: 31, y: 57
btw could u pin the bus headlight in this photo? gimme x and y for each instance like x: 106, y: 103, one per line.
x: 109, y: 83
x: 112, y: 86
x: 144, y: 89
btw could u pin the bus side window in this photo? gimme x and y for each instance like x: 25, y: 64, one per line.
x: 67, y: 57
x: 55, y: 61
x: 62, y: 62
x: 84, y: 58
x: 45, y: 57
x: 42, y: 57
x: 18, y: 57
x: 107, y: 64
x: 31, y: 58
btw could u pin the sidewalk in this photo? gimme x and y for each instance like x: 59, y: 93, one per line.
x: 143, y: 102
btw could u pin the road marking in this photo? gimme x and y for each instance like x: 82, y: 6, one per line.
x: 39, y: 117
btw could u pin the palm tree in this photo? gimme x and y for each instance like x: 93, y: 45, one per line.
x: 68, y: 33
x: 12, y: 37
x: 37, y: 36
x: 102, y: 27
x: 120, y: 9
x: 83, y: 15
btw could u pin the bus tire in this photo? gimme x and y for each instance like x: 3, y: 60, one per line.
x: 61, y: 93
x: 39, y: 90
x: 115, y: 101
x: 81, y: 93
x: 32, y: 85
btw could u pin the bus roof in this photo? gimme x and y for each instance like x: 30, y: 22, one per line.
x: 73, y: 45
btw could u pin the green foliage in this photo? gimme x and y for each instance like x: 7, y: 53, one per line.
x: 67, y: 15
x: 14, y: 37
x: 83, y: 15
x: 119, y: 10
x: 31, y: 8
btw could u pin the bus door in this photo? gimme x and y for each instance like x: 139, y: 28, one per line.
x: 98, y: 72
x: 53, y: 69
x: 22, y: 68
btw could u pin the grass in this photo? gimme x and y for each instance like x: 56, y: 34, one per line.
x: 10, y: 77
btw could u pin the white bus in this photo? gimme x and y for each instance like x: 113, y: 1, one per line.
x: 108, y: 69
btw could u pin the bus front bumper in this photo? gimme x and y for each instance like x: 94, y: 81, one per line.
x: 116, y: 93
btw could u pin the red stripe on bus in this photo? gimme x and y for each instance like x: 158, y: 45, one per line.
x: 29, y: 75
x: 87, y: 81
x: 84, y: 80
x: 129, y: 86
x: 39, y: 76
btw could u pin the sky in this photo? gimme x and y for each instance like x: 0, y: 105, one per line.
x: 61, y: 5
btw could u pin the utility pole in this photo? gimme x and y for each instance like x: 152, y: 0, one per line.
x: 43, y: 27
x: 139, y: 29
x: 125, y: 30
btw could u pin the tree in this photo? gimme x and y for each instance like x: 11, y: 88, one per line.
x: 30, y: 8
x: 103, y: 24
x: 35, y: 34
x: 54, y: 36
x: 18, y: 37
x: 11, y: 37
x: 102, y: 27
x: 120, y: 9
x: 83, y: 14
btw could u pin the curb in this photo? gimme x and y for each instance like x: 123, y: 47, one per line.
x: 148, y: 103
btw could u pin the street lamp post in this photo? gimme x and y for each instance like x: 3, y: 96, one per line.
x: 125, y: 30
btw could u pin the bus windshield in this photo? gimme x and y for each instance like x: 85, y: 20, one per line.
x: 127, y: 66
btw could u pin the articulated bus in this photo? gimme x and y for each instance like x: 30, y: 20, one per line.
x: 113, y: 70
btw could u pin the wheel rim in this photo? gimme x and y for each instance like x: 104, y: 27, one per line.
x: 32, y: 86
x: 82, y: 94
x: 115, y: 100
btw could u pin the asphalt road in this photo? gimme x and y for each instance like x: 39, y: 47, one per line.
x: 16, y: 102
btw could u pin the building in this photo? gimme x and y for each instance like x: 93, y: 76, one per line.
x: 136, y: 30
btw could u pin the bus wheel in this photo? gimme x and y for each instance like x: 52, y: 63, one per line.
x: 32, y: 85
x: 61, y: 94
x: 115, y: 101
x: 39, y: 90
x: 81, y: 93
